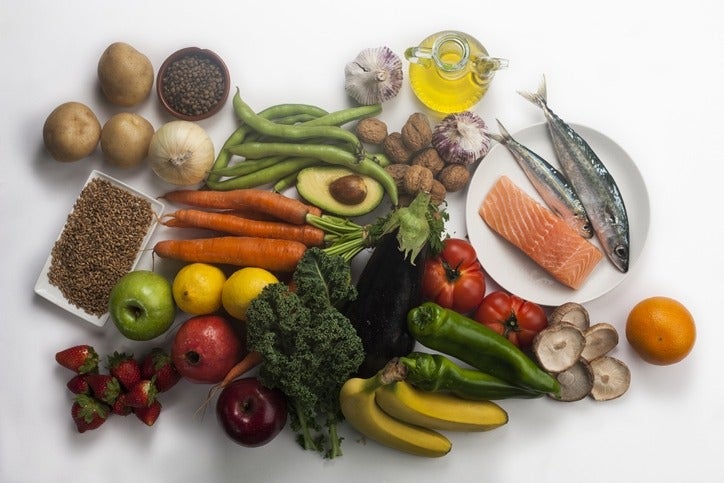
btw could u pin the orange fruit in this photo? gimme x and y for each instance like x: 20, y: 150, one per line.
x: 661, y: 330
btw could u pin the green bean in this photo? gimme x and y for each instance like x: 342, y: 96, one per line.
x: 296, y: 132
x: 323, y: 152
x: 286, y: 182
x: 270, y: 174
x: 247, y: 166
x: 344, y: 116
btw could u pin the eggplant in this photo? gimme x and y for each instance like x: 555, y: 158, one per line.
x: 388, y: 288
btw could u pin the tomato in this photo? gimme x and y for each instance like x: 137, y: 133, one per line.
x: 454, y: 279
x: 509, y: 315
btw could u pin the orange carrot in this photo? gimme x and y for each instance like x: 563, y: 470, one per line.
x: 235, y: 225
x: 246, y: 364
x: 281, y: 206
x: 268, y: 253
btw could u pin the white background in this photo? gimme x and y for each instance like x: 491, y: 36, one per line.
x: 649, y: 77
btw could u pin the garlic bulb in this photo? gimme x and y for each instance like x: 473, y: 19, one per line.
x: 181, y: 153
x: 461, y: 138
x: 374, y: 76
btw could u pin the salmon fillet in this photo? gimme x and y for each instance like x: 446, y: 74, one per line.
x: 539, y: 233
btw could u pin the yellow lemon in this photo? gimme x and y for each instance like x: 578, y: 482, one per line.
x: 242, y: 287
x: 197, y: 288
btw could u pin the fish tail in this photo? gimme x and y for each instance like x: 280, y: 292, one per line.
x: 540, y: 97
x: 504, y: 135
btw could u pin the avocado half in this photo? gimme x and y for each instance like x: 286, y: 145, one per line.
x: 313, y: 185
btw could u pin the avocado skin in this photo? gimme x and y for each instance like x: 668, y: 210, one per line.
x: 388, y: 288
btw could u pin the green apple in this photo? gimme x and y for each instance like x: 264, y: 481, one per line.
x: 141, y: 305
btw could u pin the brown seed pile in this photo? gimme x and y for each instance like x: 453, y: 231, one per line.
x: 193, y: 85
x: 98, y: 244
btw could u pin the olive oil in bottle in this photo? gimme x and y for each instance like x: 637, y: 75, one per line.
x: 451, y: 71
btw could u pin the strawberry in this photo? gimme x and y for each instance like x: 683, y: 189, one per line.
x: 79, y: 384
x: 159, y: 363
x: 148, y: 414
x: 88, y: 413
x: 143, y: 394
x: 104, y: 387
x: 120, y: 407
x: 81, y: 359
x: 125, y: 368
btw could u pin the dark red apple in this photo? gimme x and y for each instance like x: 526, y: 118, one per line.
x: 250, y: 413
x: 205, y: 348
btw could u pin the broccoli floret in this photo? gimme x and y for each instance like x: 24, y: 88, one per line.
x: 309, y: 348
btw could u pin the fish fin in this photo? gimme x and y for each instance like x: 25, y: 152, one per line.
x: 540, y: 97
x: 504, y: 135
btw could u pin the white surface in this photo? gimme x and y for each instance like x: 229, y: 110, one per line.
x: 47, y: 290
x: 649, y: 78
x: 512, y: 269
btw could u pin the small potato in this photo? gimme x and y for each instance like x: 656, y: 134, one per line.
x: 125, y: 139
x: 125, y: 74
x: 71, y: 132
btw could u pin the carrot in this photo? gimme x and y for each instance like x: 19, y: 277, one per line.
x: 235, y: 225
x: 264, y: 201
x: 246, y: 364
x: 268, y: 253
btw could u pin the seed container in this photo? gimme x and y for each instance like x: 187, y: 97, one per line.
x: 193, y: 84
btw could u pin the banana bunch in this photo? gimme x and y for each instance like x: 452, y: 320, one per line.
x: 396, y: 414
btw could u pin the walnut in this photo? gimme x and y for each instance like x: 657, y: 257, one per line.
x: 396, y: 149
x: 418, y: 178
x: 454, y: 177
x: 417, y: 133
x: 371, y: 130
x: 438, y: 192
x: 397, y: 171
x: 429, y: 158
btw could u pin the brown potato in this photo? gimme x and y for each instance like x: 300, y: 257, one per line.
x: 125, y: 74
x: 125, y: 139
x: 71, y: 132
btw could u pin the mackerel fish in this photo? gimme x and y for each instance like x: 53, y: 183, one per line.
x: 551, y: 184
x: 593, y: 183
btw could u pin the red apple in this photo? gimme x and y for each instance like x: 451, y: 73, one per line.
x: 250, y: 413
x: 205, y: 348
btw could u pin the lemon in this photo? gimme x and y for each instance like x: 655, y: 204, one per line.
x: 242, y: 287
x: 197, y: 288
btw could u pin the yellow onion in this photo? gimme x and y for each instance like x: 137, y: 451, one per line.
x: 181, y: 153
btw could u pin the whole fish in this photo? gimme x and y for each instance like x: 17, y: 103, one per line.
x: 593, y: 183
x: 550, y: 183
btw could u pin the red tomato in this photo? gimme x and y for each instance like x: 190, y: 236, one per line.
x: 454, y: 279
x: 517, y: 319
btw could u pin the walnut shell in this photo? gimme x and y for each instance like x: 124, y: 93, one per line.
x: 371, y: 130
x: 429, y: 158
x: 393, y: 147
x: 454, y: 177
x: 418, y: 178
x: 416, y: 133
x: 438, y: 192
x: 397, y: 171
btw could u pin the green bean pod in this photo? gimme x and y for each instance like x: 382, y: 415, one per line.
x: 269, y: 174
x: 323, y: 152
x: 247, y: 166
x: 295, y: 132
x: 458, y: 336
x: 437, y: 373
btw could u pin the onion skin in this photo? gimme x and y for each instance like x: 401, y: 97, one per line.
x: 181, y: 153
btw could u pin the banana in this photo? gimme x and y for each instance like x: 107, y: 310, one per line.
x: 436, y: 410
x: 357, y: 399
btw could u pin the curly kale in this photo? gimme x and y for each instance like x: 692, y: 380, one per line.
x: 309, y: 348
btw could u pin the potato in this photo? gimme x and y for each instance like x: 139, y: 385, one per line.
x: 125, y: 74
x: 71, y: 132
x: 125, y: 139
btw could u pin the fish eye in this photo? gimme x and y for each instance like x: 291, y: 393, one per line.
x: 621, y: 251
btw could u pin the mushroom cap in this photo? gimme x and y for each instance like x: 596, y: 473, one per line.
x: 600, y: 339
x: 573, y: 313
x: 576, y: 382
x: 611, y: 378
x: 558, y: 347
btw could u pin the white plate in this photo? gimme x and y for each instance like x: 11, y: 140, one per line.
x: 45, y: 289
x: 511, y: 268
